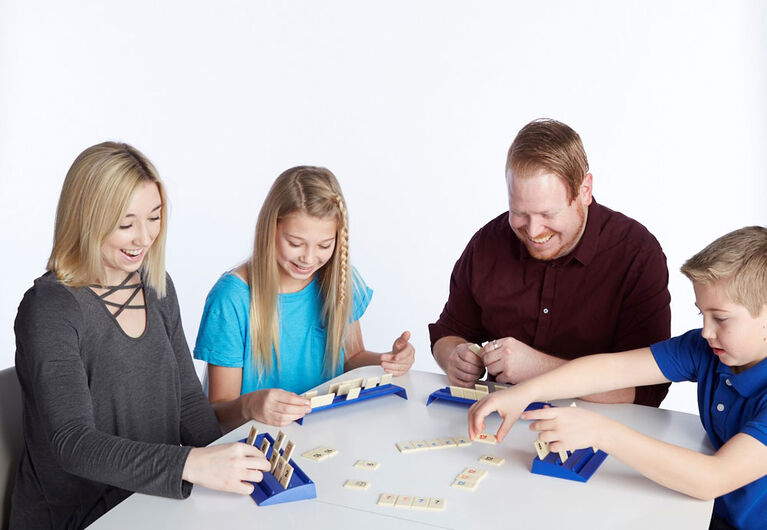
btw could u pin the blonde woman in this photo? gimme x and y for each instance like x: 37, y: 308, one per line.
x: 288, y: 319
x: 111, y: 402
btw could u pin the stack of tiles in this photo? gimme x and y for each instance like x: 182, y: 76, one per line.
x: 318, y: 454
x: 469, y: 478
x: 280, y: 466
x: 475, y: 394
x: 350, y: 388
x: 410, y: 502
x: 434, y: 443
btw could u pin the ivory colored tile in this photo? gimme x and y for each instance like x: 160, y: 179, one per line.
x: 456, y: 391
x: 405, y: 447
x: 333, y: 388
x: 481, y: 388
x: 461, y: 441
x: 367, y: 464
x: 278, y: 441
x: 447, y: 441
x: 542, y: 448
x: 436, y: 505
x: 434, y: 444
x: 486, y: 438
x: 466, y: 484
x: 323, y: 400
x: 492, y: 460
x: 287, y: 453
x: 310, y: 393
x: 354, y: 393
x: 419, y: 445
x: 273, y: 461
x: 356, y: 484
x: 279, y: 468
x: 287, y: 474
x: 563, y: 456
x: 318, y: 454
x: 404, y: 501
x: 420, y: 503
x: 265, y: 446
x: 370, y: 382
x: 478, y: 474
x: 476, y: 349
x: 252, y: 436
x: 469, y: 393
x: 386, y: 379
x: 387, y: 499
x: 357, y: 382
x: 344, y: 389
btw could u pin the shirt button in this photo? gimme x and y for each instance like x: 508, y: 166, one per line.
x: 545, y: 310
x: 728, y: 382
x: 720, y: 407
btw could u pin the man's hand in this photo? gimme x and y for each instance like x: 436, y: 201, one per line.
x: 464, y: 367
x: 512, y: 361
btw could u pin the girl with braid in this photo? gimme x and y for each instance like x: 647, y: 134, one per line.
x: 288, y: 318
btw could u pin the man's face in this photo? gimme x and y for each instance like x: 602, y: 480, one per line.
x: 542, y: 217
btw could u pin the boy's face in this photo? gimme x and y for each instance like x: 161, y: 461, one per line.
x: 736, y: 337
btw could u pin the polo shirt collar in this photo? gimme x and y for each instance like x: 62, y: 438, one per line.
x: 750, y: 382
x: 586, y: 248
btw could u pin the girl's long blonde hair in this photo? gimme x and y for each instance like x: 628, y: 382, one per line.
x: 314, y: 191
x: 96, y: 193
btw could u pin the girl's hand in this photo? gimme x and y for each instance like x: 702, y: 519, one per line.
x: 225, y: 467
x: 508, y: 403
x: 568, y: 428
x: 274, y: 406
x: 401, y: 358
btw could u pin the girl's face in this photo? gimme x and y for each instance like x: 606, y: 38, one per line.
x: 124, y: 250
x: 303, y: 245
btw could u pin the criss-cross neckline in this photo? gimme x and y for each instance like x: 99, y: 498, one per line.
x: 111, y: 289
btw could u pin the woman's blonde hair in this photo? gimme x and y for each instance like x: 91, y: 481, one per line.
x: 94, y: 198
x: 315, y: 192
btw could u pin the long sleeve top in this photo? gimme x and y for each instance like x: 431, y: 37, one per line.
x: 104, y: 414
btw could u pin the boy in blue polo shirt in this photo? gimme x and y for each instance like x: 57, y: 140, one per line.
x: 726, y: 358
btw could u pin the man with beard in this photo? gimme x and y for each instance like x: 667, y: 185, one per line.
x: 556, y: 277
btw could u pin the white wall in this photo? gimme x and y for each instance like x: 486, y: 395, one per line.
x: 412, y: 104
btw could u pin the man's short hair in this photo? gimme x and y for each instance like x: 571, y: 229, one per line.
x: 740, y: 259
x: 553, y: 146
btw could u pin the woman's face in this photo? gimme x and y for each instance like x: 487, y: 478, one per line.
x: 124, y: 250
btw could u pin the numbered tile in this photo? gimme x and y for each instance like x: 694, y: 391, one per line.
x: 492, y: 460
x: 436, y: 505
x: 356, y: 484
x: 387, y: 499
x: 367, y: 464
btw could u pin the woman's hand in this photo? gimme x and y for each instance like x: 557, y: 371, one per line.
x: 227, y: 467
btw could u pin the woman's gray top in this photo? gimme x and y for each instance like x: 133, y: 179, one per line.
x: 104, y: 414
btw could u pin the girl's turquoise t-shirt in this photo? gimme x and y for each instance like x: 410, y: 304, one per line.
x: 224, y: 335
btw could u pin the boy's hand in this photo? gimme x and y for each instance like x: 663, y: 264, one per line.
x: 401, y: 358
x: 568, y: 428
x: 509, y: 404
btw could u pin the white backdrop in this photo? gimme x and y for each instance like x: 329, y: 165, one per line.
x: 413, y: 106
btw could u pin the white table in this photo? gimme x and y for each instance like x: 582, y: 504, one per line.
x: 615, y: 496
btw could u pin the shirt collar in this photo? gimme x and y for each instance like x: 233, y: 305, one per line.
x: 586, y: 248
x: 750, y: 382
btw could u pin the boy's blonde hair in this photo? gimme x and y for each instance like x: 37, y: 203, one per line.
x: 315, y: 192
x: 96, y: 193
x: 740, y: 259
